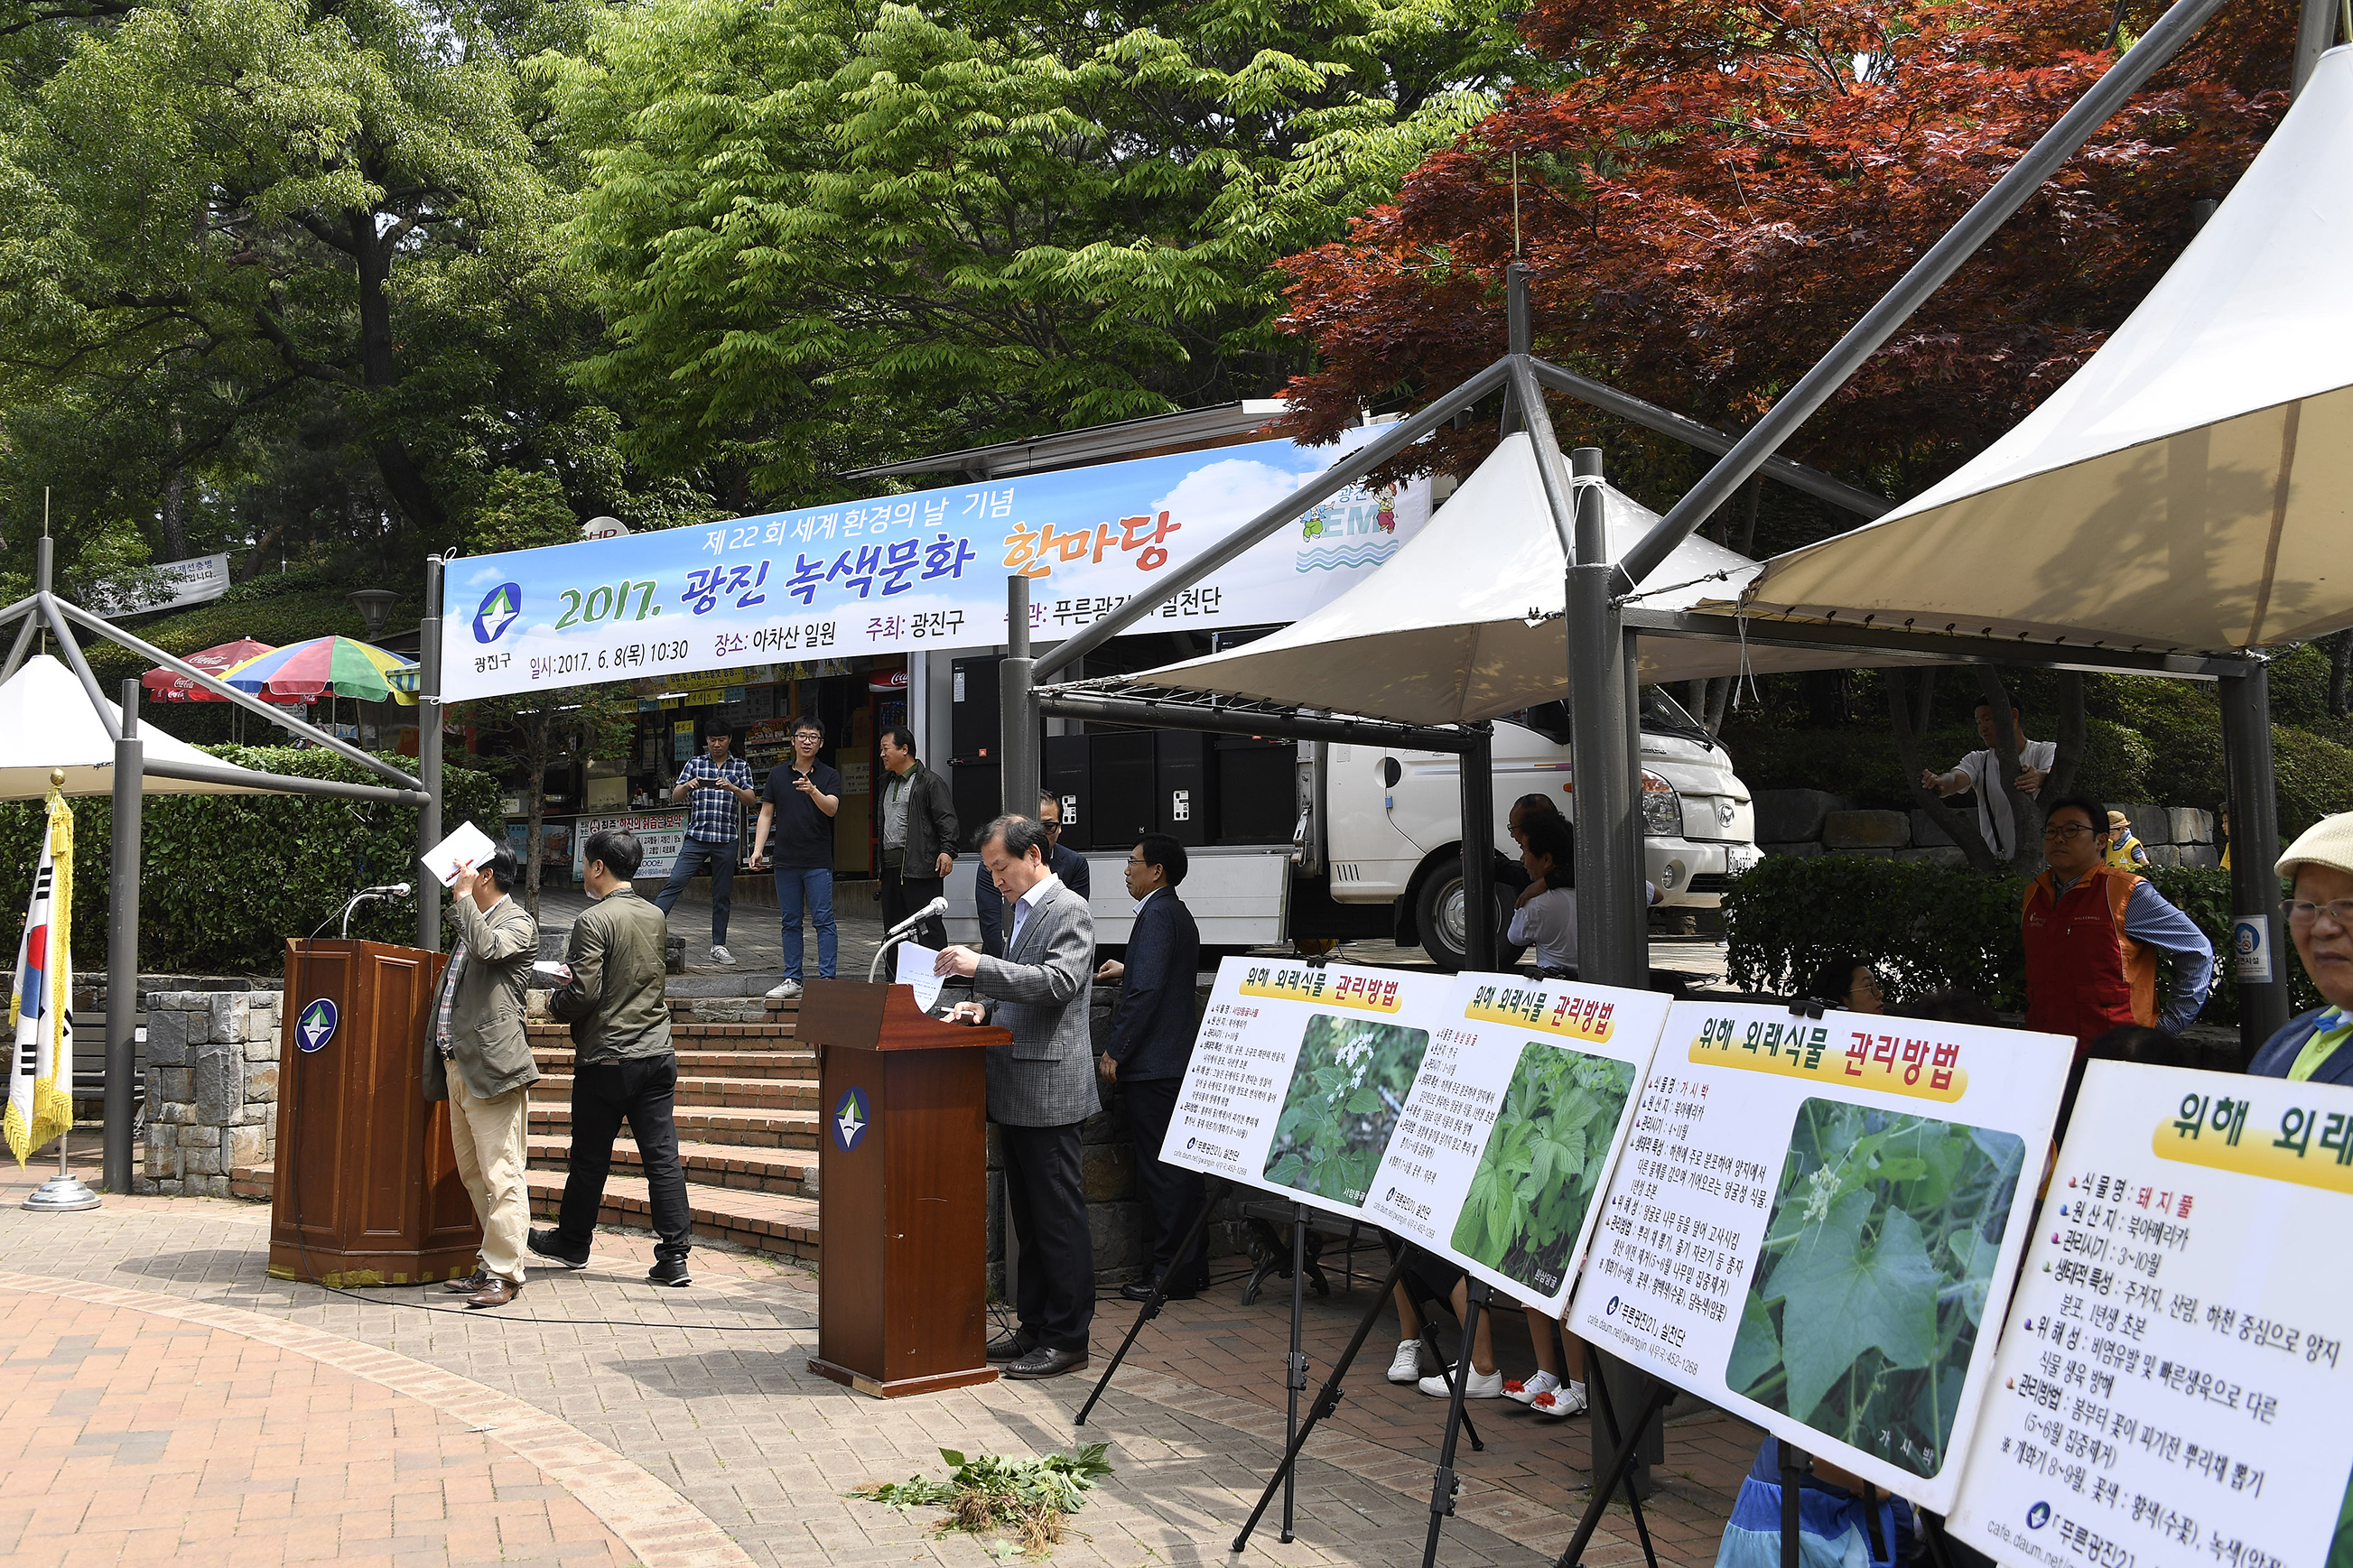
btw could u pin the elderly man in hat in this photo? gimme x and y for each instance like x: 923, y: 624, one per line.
x: 2311, y: 1047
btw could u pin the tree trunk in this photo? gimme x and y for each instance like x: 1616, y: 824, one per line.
x: 175, y: 491
x: 379, y: 370
x: 1960, y: 828
x: 1719, y: 698
x: 2341, y: 675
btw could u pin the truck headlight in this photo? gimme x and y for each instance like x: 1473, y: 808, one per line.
x: 1663, y: 809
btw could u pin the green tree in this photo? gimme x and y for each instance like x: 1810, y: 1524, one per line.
x: 292, y: 254
x: 825, y: 234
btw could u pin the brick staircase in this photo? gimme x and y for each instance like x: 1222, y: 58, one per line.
x: 747, y: 1129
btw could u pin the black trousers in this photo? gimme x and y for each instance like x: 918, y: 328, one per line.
x: 902, y: 896
x: 1045, y: 1197
x: 1172, y: 1195
x: 641, y: 1090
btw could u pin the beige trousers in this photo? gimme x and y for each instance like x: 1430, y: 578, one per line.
x: 489, y: 1136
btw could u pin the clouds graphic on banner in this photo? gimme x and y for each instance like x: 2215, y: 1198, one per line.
x: 1230, y: 491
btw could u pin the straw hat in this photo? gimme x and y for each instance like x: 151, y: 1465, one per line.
x: 2116, y: 820
x: 2329, y: 842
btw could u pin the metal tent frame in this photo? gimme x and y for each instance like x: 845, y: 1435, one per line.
x: 1602, y: 660
x: 44, y: 609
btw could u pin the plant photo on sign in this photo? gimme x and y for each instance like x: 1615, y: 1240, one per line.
x: 1349, y: 1084
x: 1544, y: 1159
x: 1870, y: 1287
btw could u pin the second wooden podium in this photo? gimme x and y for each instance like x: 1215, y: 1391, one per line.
x: 903, y: 1290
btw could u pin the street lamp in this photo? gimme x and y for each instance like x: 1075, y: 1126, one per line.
x: 376, y: 607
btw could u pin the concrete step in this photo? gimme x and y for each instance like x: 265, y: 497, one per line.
x: 708, y: 1124
x: 764, y: 1222
x: 790, y: 1172
x: 781, y: 1065
x: 732, y: 1093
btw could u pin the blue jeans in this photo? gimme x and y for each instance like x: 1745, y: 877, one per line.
x: 814, y: 883
x: 694, y: 856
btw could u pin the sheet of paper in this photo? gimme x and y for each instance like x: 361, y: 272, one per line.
x: 2171, y: 1392
x: 915, y: 969
x: 1815, y: 1224
x: 469, y: 846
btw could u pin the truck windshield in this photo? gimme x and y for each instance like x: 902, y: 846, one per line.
x: 1661, y: 714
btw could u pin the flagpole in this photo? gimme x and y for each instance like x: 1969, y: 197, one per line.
x: 64, y: 1192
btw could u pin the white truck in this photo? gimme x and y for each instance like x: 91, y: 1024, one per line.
x: 1378, y: 850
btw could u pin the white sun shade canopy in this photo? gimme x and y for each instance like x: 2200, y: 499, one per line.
x: 2191, y: 487
x: 1464, y: 622
x: 47, y: 723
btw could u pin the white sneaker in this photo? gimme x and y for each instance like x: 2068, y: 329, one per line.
x: 1560, y: 1403
x: 1525, y: 1393
x: 719, y: 954
x: 785, y: 993
x: 1405, y: 1365
x: 1480, y: 1385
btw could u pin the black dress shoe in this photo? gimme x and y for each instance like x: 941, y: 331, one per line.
x: 1136, y: 1290
x: 1047, y: 1361
x: 1011, y: 1346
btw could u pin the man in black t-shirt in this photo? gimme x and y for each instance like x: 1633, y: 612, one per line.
x: 801, y: 796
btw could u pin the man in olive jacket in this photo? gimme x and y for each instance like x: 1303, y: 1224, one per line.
x: 623, y: 1065
x: 477, y: 1031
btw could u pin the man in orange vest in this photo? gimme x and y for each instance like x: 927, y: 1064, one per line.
x: 2093, y: 933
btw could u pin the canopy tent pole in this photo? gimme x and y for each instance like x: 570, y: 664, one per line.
x: 1219, y: 721
x: 1611, y: 949
x: 429, y: 752
x: 2009, y: 192
x: 2255, y: 848
x: 1016, y: 682
x: 2315, y: 32
x: 122, y: 947
x: 244, y: 700
x: 1477, y: 776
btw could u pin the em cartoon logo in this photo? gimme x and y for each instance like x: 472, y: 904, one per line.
x: 500, y: 608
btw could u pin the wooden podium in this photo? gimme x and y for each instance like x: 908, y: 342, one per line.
x: 902, y: 1294
x: 366, y: 1189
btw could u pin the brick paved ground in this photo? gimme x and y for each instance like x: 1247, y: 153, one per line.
x: 651, y: 1431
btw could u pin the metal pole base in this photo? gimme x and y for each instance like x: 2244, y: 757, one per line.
x: 62, y: 1195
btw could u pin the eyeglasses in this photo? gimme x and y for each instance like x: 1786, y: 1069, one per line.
x: 2304, y: 911
x: 2065, y: 830
x: 1868, y: 986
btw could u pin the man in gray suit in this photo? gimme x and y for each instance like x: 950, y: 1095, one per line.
x: 1041, y: 1089
x: 479, y: 1058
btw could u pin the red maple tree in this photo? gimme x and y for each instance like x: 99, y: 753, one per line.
x: 1724, y: 190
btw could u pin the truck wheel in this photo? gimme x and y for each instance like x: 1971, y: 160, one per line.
x: 1439, y: 915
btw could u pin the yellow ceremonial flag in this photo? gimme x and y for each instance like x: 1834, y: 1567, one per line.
x: 40, y: 1004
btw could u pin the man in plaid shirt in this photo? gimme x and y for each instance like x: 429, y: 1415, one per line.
x: 712, y: 785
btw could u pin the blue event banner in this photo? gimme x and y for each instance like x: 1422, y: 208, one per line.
x: 919, y: 571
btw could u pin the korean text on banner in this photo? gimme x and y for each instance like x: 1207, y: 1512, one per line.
x: 1525, y: 1098
x: 902, y: 573
x: 1299, y: 1076
x: 1816, y: 1220
x: 661, y: 836
x: 2171, y: 1388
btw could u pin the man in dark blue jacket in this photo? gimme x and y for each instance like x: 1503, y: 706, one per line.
x: 1151, y: 1042
x: 989, y: 907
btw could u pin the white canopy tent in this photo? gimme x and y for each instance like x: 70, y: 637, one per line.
x: 1466, y: 622
x: 2191, y: 487
x: 47, y: 723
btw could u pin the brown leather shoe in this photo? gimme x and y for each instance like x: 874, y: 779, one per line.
x: 498, y: 1292
x: 468, y: 1285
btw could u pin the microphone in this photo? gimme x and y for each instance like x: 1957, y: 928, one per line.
x: 390, y: 890
x: 938, y: 906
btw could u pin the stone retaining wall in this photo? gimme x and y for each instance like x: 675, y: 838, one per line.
x: 1802, y: 822
x: 212, y: 1088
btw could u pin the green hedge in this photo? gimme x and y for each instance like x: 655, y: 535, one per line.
x: 226, y: 879
x: 1928, y: 927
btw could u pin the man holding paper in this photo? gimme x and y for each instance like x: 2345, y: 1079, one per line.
x: 624, y: 1067
x: 1041, y: 1089
x: 479, y: 1061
